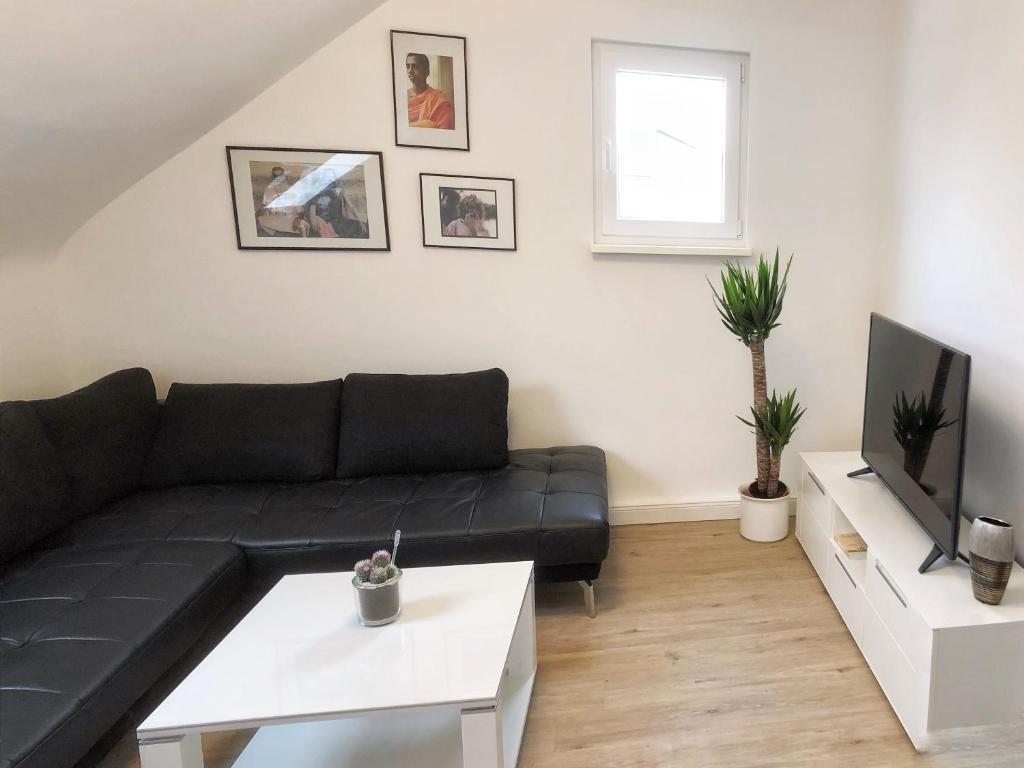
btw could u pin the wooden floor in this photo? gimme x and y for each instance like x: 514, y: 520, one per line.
x: 708, y: 650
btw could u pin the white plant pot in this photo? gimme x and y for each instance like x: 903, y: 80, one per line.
x: 763, y: 519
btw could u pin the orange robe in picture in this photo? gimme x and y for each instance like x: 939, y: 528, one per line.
x: 431, y: 109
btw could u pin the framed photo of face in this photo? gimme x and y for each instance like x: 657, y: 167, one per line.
x: 429, y: 78
x: 468, y: 212
x: 308, y: 199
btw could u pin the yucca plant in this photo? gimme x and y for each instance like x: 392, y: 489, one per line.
x: 777, y: 422
x: 915, y: 424
x: 750, y: 303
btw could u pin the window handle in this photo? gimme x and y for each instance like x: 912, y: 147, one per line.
x: 608, y: 155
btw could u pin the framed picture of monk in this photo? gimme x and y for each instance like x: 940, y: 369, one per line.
x: 429, y: 78
x: 308, y: 199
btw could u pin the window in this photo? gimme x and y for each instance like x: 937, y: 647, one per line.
x: 669, y: 149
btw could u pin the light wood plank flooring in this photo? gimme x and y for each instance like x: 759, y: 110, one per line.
x: 708, y: 650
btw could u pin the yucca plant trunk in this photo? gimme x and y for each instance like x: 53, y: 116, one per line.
x: 760, y: 399
x: 774, y: 466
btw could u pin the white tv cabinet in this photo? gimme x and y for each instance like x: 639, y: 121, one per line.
x: 952, y: 668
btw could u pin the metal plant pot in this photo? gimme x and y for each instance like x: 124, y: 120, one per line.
x: 991, y: 548
x: 378, y: 604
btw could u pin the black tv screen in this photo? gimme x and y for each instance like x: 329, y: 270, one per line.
x: 915, y: 422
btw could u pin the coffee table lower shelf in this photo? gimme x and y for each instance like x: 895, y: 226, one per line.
x: 431, y: 737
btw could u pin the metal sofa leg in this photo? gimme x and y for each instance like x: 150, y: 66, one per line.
x: 588, y: 597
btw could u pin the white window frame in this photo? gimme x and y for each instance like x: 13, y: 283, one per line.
x: 612, y: 234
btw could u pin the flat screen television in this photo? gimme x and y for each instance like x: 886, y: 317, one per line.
x: 915, y: 425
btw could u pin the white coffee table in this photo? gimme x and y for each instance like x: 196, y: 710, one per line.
x: 448, y: 684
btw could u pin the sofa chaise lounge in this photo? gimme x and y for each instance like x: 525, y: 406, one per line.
x: 129, y: 529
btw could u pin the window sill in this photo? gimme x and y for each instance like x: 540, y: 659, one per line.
x: 672, y: 250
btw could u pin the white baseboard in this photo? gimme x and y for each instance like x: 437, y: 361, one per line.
x: 646, y: 514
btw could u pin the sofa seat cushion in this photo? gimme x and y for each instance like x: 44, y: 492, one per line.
x: 395, y: 423
x: 546, y: 505
x: 236, y: 433
x: 102, y: 434
x: 84, y: 631
x: 33, y: 489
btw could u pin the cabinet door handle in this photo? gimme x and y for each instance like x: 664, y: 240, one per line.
x: 854, y: 583
x: 816, y: 482
x: 889, y: 584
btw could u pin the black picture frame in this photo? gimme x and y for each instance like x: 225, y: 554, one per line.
x: 394, y: 89
x: 275, y: 246
x: 461, y: 242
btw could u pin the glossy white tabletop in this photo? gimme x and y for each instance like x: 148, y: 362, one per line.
x: 300, y: 654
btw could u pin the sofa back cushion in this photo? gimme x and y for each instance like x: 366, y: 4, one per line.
x: 231, y: 433
x: 33, y: 489
x: 102, y: 434
x: 394, y: 424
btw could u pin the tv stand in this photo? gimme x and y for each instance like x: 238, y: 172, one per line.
x: 861, y: 472
x: 950, y: 666
x: 929, y: 561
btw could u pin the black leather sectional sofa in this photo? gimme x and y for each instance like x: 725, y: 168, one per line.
x: 129, y: 529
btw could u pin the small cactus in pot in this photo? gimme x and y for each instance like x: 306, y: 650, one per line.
x: 377, y: 570
x: 363, y: 568
x: 377, y: 583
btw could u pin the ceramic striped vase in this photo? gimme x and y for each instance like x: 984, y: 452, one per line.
x: 991, y: 548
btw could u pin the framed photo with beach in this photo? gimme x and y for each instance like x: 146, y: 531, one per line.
x: 468, y: 212
x: 428, y: 74
x: 308, y: 199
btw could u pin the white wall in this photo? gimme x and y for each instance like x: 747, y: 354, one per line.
x: 96, y: 94
x: 623, y: 352
x: 33, y: 303
x: 953, y: 238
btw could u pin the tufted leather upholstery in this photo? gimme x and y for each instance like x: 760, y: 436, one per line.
x: 126, y: 580
x: 547, y: 505
x: 83, y: 630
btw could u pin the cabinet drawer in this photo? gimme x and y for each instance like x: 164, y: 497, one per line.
x: 802, y: 517
x: 905, y: 625
x: 812, y: 496
x: 815, y: 544
x: 903, y: 687
x: 845, y: 593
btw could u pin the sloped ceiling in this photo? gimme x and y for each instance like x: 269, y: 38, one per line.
x: 94, y: 94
